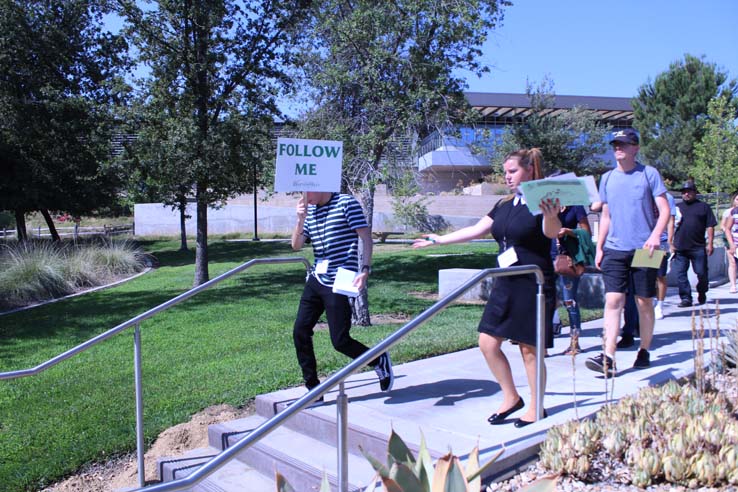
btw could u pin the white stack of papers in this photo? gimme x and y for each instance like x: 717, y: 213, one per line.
x: 344, y: 283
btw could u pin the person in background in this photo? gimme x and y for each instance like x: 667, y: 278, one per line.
x: 333, y: 223
x: 628, y: 194
x: 574, y: 231
x: 524, y: 239
x: 694, y: 220
x: 667, y: 237
x: 730, y: 229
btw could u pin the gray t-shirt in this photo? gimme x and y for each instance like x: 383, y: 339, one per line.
x: 630, y: 199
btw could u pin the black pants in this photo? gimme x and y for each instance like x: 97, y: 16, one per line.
x: 680, y: 263
x: 316, y: 299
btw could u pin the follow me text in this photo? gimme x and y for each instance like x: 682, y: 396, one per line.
x: 307, y: 168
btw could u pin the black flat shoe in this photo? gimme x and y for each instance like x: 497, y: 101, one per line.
x: 499, y: 418
x: 522, y: 423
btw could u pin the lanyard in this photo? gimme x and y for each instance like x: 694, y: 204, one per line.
x: 511, y: 214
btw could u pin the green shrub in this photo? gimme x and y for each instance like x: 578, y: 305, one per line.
x: 6, y: 219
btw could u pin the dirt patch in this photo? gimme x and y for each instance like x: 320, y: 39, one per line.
x: 122, y: 472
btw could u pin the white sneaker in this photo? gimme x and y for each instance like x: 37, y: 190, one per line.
x: 658, y: 312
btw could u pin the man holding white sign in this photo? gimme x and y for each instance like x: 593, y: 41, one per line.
x: 333, y: 223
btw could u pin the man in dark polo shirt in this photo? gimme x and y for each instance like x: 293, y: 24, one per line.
x: 694, y: 219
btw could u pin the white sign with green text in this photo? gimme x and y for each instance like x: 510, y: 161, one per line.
x: 308, y: 165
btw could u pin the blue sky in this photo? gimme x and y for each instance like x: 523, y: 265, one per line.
x: 604, y: 48
x: 599, y: 47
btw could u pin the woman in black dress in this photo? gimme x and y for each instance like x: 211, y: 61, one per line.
x: 524, y: 239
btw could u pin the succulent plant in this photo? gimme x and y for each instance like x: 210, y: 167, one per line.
x: 403, y: 472
x: 672, y: 433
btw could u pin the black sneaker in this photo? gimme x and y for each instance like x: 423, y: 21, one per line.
x: 701, y: 298
x: 626, y: 341
x: 643, y: 359
x: 602, y: 364
x: 685, y: 303
x: 384, y: 372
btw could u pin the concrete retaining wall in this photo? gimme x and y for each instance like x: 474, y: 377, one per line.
x: 591, y: 293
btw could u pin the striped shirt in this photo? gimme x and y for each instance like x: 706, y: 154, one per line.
x: 331, y: 228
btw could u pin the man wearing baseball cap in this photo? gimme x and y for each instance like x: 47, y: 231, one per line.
x: 628, y: 194
x: 694, y: 219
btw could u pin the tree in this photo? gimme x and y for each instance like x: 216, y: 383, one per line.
x: 716, y: 155
x: 60, y: 75
x: 217, y: 69
x: 671, y: 112
x: 383, y: 72
x: 570, y: 140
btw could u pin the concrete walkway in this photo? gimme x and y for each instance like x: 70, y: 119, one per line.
x: 450, y: 397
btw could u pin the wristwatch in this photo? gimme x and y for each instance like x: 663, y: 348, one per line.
x: 367, y: 269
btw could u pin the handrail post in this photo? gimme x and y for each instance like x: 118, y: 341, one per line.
x: 540, y: 349
x: 139, y: 405
x: 342, y: 438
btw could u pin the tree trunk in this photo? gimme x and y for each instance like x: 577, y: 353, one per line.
x: 182, y: 228
x: 50, y: 224
x: 201, y: 252
x: 360, y: 305
x: 20, y: 225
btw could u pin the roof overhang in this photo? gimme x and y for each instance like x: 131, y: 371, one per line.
x: 496, y: 106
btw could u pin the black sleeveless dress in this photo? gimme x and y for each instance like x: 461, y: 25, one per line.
x: 511, y: 309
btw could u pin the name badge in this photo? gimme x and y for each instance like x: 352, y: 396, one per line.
x: 507, y: 258
x: 322, y: 267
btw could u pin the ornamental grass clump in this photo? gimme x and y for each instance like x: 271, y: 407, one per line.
x: 35, y: 271
x: 31, y: 272
x: 113, y: 258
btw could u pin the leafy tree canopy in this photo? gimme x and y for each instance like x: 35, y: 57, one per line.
x: 383, y: 72
x: 716, y: 155
x: 671, y: 113
x: 217, y: 68
x: 571, y: 140
x: 60, y: 74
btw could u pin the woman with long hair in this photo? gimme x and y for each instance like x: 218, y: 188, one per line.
x: 523, y: 239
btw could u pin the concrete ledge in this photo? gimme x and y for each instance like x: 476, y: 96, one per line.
x: 451, y: 278
x: 591, y: 293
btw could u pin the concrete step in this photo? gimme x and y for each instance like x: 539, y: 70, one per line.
x: 235, y: 476
x: 367, y: 429
x: 300, y: 458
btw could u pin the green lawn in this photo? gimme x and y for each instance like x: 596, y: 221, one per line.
x: 225, y: 345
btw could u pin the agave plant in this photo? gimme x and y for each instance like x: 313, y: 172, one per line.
x: 284, y: 486
x: 404, y: 473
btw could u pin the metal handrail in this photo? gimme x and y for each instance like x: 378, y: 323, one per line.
x: 339, y: 377
x: 136, y: 321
